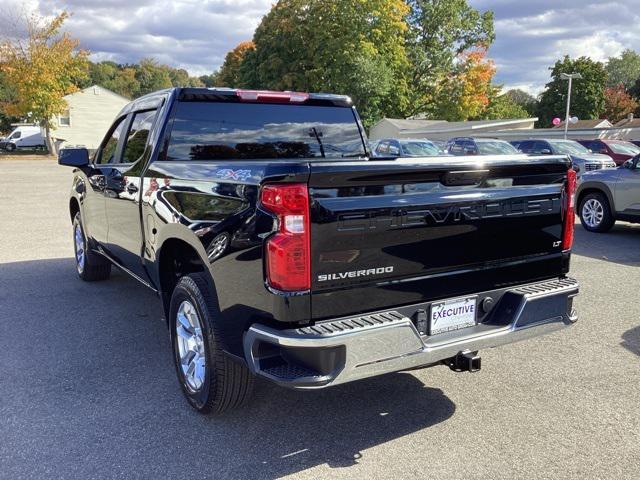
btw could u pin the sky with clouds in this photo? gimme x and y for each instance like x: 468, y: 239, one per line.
x: 196, y: 34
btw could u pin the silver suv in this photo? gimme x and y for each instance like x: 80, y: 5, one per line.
x: 605, y: 196
x: 583, y: 159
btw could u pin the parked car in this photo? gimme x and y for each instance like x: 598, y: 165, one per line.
x: 607, y: 195
x: 24, y: 136
x: 442, y: 146
x: 619, y: 150
x: 479, y: 146
x: 583, y: 160
x: 345, y: 268
x: 405, y: 147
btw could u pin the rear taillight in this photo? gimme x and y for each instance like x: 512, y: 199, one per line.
x: 569, y: 210
x: 287, y: 251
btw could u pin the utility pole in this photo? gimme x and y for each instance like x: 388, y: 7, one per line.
x: 570, y: 77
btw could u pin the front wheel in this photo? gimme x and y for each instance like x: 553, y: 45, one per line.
x: 211, y: 381
x: 595, y: 213
x: 90, y: 266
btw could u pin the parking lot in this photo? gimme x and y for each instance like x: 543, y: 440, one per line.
x: 88, y: 389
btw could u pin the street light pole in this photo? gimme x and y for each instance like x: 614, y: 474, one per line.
x: 570, y: 77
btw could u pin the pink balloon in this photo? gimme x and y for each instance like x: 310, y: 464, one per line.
x: 556, y: 121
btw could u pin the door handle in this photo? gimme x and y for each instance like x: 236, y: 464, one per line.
x: 132, y: 188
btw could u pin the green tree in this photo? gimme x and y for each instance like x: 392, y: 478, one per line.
x: 587, y: 96
x: 7, y: 95
x: 229, y: 73
x: 440, y: 31
x: 528, y: 102
x: 101, y: 73
x: 40, y: 70
x: 210, y: 80
x: 151, y: 76
x: 624, y: 69
x: 124, y: 83
x: 355, y: 47
x: 503, y: 106
x: 181, y: 78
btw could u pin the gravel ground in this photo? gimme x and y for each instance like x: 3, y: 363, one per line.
x: 88, y: 390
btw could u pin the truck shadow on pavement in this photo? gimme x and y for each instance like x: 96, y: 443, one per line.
x: 619, y: 245
x: 89, y: 390
x: 631, y: 340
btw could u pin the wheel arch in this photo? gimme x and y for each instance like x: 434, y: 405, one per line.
x: 177, y: 257
x: 74, y: 207
x: 595, y: 187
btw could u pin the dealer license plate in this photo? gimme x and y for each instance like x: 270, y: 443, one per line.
x: 452, y: 314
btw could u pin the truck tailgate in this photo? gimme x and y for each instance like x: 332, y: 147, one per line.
x: 386, y: 233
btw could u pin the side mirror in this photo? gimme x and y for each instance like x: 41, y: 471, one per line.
x: 576, y: 168
x: 545, y: 151
x: 73, y: 157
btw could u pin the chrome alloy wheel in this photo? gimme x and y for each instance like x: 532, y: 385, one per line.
x: 218, y: 246
x: 191, y: 350
x: 79, y: 244
x: 592, y: 213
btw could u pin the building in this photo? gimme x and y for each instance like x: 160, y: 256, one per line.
x: 587, y: 124
x: 443, y: 130
x: 90, y: 113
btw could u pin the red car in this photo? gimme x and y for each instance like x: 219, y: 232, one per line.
x: 619, y: 150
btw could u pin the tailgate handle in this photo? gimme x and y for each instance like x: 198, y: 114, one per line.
x: 464, y: 177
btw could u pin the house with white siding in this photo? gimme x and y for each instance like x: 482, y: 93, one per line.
x: 90, y: 112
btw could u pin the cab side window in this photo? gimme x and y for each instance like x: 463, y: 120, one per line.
x: 539, y: 147
x: 16, y: 135
x: 107, y: 152
x: 383, y: 148
x: 137, y: 137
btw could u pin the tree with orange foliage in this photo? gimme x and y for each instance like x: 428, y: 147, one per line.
x: 229, y: 73
x: 40, y: 70
x: 468, y: 89
x: 618, y: 103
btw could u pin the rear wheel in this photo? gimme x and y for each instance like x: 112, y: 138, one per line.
x: 211, y: 381
x: 90, y: 266
x: 595, y: 213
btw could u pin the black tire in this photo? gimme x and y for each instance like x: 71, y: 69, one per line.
x: 598, y: 201
x: 227, y: 383
x: 10, y: 147
x: 93, y: 267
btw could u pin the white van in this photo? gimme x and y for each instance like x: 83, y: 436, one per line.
x: 24, y: 136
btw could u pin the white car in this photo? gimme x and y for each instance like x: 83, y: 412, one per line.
x: 24, y: 136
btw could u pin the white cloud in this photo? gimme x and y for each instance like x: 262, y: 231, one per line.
x: 531, y: 36
x: 195, y: 35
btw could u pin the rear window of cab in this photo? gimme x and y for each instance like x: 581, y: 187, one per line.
x: 204, y: 130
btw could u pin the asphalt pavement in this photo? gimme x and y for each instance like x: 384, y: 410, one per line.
x: 88, y: 389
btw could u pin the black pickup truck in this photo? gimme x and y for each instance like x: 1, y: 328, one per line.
x: 280, y: 249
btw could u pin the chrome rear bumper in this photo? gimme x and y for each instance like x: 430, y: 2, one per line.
x: 348, y: 349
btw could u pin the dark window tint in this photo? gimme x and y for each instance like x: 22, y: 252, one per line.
x: 108, y: 150
x: 16, y: 135
x: 419, y: 149
x: 525, y: 146
x: 221, y: 130
x: 138, y: 134
x: 538, y: 147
